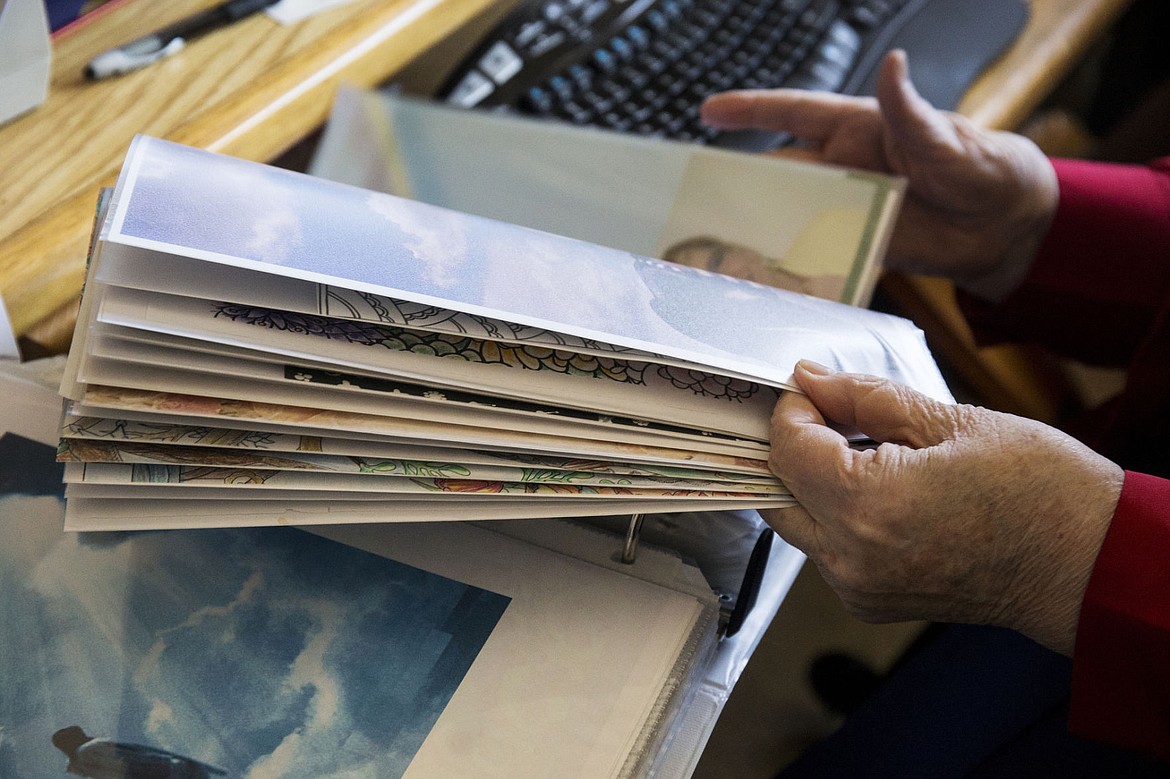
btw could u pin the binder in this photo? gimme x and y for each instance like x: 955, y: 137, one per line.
x: 173, y: 645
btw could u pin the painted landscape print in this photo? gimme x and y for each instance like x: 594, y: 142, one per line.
x: 248, y: 652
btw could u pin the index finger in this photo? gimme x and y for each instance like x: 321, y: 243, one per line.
x: 811, y: 116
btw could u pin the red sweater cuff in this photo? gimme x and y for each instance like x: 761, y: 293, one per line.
x: 1121, y: 664
x: 1105, y: 253
x: 1108, y: 212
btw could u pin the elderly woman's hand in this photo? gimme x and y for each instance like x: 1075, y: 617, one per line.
x: 959, y: 514
x: 978, y: 202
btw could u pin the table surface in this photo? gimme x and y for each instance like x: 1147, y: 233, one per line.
x: 256, y: 88
x: 252, y: 90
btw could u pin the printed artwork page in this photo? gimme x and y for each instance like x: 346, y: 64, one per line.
x: 642, y: 390
x: 564, y: 180
x: 268, y: 481
x: 810, y: 229
x: 503, y: 695
x: 228, y: 211
x: 113, y: 439
x: 132, y: 268
x: 322, y: 388
x: 168, y: 410
x: 525, y: 469
x: 374, y: 652
x: 123, y: 470
x: 397, y: 417
x: 125, y: 495
x: 411, y: 462
x: 272, y: 478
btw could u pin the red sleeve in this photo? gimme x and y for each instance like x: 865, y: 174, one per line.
x: 1121, y: 663
x: 1103, y: 271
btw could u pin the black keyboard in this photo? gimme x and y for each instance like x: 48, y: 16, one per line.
x: 644, y: 66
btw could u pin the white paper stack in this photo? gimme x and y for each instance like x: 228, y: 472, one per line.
x: 257, y: 346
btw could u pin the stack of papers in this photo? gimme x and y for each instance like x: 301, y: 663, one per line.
x: 257, y: 346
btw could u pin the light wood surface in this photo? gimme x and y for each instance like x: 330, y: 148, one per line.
x: 256, y: 88
x: 1056, y: 38
x: 250, y: 90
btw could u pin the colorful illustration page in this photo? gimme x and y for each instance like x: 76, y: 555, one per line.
x: 218, y: 209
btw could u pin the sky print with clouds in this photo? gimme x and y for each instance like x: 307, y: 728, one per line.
x: 266, y: 652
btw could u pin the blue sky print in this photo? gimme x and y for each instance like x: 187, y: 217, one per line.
x: 263, y: 652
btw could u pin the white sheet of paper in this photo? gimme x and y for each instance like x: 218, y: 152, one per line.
x: 84, y: 513
x: 31, y: 406
x: 218, y: 209
x: 26, y: 57
x: 8, y: 347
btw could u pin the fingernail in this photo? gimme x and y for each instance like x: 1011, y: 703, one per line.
x: 815, y: 368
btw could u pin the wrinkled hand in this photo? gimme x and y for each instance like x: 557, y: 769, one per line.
x: 960, y: 514
x: 978, y: 202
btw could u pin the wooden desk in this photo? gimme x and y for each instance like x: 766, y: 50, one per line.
x: 256, y: 88
x: 251, y: 90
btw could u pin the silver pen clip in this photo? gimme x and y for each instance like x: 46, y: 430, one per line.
x: 134, y: 55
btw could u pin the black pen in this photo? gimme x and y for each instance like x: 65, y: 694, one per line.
x: 165, y: 42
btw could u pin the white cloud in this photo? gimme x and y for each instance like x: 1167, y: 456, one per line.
x: 437, y: 235
x: 318, y: 748
x: 273, y: 232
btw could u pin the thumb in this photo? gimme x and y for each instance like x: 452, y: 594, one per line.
x: 883, y: 410
x: 913, y: 122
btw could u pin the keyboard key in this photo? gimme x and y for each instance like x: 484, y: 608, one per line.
x: 546, y: 43
x: 594, y: 11
x: 501, y: 62
x: 581, y: 75
x: 604, y: 60
x: 471, y: 90
x: 537, y: 100
x: 529, y: 32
